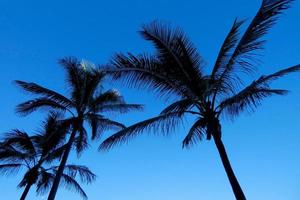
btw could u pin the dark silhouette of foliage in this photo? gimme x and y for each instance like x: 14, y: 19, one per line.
x: 176, y: 69
x: 36, y: 153
x: 86, y: 103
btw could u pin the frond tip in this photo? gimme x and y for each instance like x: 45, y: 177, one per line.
x: 251, y: 96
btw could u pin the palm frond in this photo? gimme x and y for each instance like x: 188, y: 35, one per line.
x: 10, y: 169
x: 44, y: 182
x: 176, y: 50
x: 84, y: 173
x: 180, y: 106
x: 75, y: 78
x: 108, y: 97
x: 147, y: 72
x: 195, y: 134
x: 99, y: 124
x: 55, y: 154
x: 120, y: 108
x: 36, y: 89
x: 30, y: 177
x: 20, y: 140
x: 174, y: 46
x: 247, y: 99
x: 71, y: 184
x: 52, y: 133
x: 251, y: 96
x: 92, y: 80
x: 39, y: 103
x: 164, y: 123
x: 81, y: 140
x: 244, y: 57
x: 73, y: 70
x: 10, y: 154
x: 279, y: 74
x: 227, y: 48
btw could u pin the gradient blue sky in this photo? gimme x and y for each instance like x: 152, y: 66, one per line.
x: 263, y: 147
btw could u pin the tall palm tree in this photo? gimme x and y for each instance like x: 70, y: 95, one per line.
x: 176, y: 69
x: 86, y: 103
x: 36, y: 153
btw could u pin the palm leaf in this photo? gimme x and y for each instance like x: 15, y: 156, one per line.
x: 251, y: 96
x: 44, y: 182
x: 39, y: 103
x: 52, y: 133
x: 120, y: 108
x: 279, y: 74
x: 71, y: 184
x: 226, y: 50
x: 248, y: 99
x: 20, y: 140
x: 36, y: 89
x: 10, y: 154
x: 86, y: 176
x: 74, y: 72
x: 195, y: 134
x: 244, y: 57
x: 180, y: 106
x: 165, y: 123
x: 175, y: 49
x: 92, y: 80
x: 9, y: 169
x: 145, y: 72
x: 81, y: 141
x: 108, y: 97
x: 75, y: 78
x: 55, y: 154
x: 99, y: 124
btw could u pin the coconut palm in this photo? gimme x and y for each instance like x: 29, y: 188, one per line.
x: 87, y: 102
x: 176, y: 70
x: 36, y: 153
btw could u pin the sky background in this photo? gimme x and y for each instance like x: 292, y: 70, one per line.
x: 263, y: 147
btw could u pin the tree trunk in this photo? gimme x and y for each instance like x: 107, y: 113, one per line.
x: 237, y: 190
x: 61, y: 167
x: 24, y: 194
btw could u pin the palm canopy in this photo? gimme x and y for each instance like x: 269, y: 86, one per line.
x: 176, y: 68
x: 36, y: 153
x: 85, y: 103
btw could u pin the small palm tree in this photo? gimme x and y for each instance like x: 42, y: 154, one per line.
x: 86, y: 103
x: 176, y: 69
x: 35, y: 153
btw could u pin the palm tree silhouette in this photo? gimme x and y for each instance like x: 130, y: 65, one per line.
x: 35, y: 153
x: 86, y: 103
x: 176, y: 69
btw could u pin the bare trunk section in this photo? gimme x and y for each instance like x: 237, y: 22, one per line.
x: 237, y: 190
x: 25, y: 192
x: 61, y: 167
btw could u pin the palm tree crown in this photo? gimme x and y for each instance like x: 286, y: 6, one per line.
x: 86, y: 103
x: 176, y: 68
x: 36, y: 153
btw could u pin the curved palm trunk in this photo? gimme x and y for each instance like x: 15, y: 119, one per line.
x: 25, y: 192
x: 61, y: 167
x: 237, y: 190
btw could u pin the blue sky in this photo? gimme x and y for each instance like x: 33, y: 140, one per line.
x: 263, y: 147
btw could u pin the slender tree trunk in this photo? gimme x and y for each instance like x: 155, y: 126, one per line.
x: 25, y: 192
x: 61, y: 167
x: 237, y: 190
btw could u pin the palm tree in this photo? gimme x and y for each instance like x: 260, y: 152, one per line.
x: 86, y: 103
x: 35, y: 153
x: 176, y: 69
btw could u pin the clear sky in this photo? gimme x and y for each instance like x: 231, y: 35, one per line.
x: 263, y: 147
